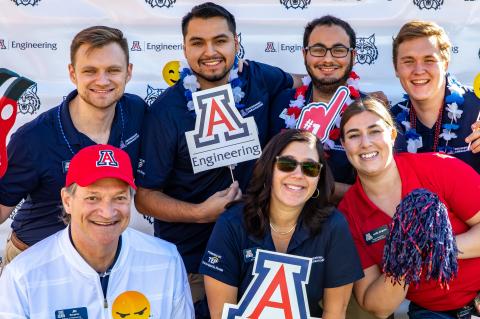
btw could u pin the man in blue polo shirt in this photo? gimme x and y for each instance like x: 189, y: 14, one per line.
x: 184, y: 204
x: 329, y: 54
x: 97, y: 112
x: 439, y: 114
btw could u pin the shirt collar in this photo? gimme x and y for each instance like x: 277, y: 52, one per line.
x: 75, y: 137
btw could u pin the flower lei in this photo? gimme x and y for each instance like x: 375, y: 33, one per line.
x: 453, y: 101
x: 295, y: 107
x: 191, y: 84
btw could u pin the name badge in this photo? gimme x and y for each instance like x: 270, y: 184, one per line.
x: 376, y: 235
x: 74, y: 313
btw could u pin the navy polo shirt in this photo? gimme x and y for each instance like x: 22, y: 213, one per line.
x: 335, y: 258
x: 165, y: 160
x: 38, y: 158
x: 343, y: 171
x: 457, y: 146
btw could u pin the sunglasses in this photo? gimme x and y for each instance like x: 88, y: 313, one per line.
x: 289, y: 164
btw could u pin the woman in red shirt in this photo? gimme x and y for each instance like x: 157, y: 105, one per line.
x: 384, y: 179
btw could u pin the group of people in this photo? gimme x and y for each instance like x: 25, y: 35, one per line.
x: 74, y: 167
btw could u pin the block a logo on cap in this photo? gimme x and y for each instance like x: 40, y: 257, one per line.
x: 106, y: 158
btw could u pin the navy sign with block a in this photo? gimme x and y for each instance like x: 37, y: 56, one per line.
x: 277, y: 289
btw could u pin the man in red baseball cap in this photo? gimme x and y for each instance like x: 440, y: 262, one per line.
x: 97, y: 264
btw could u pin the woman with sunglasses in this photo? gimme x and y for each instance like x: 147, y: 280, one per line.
x: 384, y: 179
x: 286, y: 209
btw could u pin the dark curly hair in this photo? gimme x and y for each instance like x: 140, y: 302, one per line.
x: 257, y: 198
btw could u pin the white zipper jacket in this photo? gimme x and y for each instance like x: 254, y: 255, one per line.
x: 51, y: 280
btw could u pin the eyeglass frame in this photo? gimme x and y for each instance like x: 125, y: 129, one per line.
x: 328, y: 50
x: 298, y: 163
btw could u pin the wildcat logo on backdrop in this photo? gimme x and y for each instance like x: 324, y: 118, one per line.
x: 221, y: 136
x: 295, y: 4
x: 26, y: 2
x: 29, y: 102
x: 241, y: 49
x: 161, y: 3
x: 277, y: 289
x: 428, y: 4
x: 152, y: 94
x: 367, y: 52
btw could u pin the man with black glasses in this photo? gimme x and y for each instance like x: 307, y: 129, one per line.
x: 329, y: 54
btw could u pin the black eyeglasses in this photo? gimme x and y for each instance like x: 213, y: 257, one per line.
x: 289, y: 164
x: 319, y: 51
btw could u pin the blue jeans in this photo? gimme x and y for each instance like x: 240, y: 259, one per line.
x: 417, y: 312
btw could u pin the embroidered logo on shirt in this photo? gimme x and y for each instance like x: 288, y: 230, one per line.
x: 211, y: 259
x: 318, y: 259
x: 250, y: 109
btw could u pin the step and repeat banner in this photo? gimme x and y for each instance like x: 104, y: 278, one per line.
x: 35, y: 36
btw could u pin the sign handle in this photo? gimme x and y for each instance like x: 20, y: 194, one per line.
x: 231, y: 172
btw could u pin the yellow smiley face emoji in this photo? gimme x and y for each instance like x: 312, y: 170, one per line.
x: 476, y: 85
x: 131, y: 305
x: 171, y: 72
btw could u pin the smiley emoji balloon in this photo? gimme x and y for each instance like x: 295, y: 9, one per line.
x: 171, y: 72
x: 131, y: 305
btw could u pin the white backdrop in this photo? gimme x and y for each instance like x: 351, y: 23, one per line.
x: 35, y: 37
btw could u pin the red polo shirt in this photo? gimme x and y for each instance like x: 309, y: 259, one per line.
x: 458, y: 187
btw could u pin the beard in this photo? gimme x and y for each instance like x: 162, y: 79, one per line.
x: 329, y: 86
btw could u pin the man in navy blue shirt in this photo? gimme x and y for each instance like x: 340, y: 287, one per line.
x: 329, y: 54
x: 97, y: 112
x: 439, y: 114
x: 185, y: 205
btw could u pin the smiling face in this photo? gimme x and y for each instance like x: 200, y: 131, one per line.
x: 368, y: 143
x: 290, y: 190
x: 100, y: 74
x: 328, y: 73
x: 99, y: 213
x: 210, y: 49
x: 171, y: 73
x: 421, y: 69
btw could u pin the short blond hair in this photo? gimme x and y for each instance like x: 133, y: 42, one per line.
x: 418, y: 29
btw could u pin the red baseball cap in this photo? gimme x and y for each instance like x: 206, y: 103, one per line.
x: 99, y: 161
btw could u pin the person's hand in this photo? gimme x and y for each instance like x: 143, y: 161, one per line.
x: 213, y: 206
x: 474, y: 138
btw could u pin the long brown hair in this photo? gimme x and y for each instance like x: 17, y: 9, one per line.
x: 257, y: 199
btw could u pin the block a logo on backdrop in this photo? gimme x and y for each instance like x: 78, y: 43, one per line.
x: 428, y: 4
x: 295, y: 4
x: 26, y: 2
x: 367, y: 51
x: 2, y: 44
x: 161, y: 3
